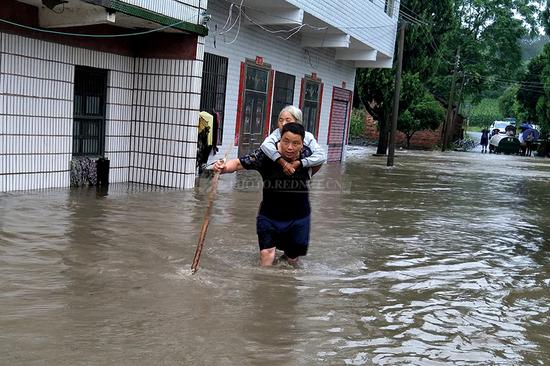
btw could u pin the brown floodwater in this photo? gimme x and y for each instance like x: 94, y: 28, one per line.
x: 441, y: 260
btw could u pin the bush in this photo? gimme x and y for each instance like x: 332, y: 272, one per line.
x: 357, y: 123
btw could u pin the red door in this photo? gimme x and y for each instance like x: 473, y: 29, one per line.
x: 339, y: 115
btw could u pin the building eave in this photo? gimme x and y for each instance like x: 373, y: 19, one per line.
x: 317, y: 33
x: 118, y: 13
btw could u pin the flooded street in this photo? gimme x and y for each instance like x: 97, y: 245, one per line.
x: 441, y: 260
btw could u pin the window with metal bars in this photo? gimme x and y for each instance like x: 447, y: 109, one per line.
x: 90, y: 89
x: 214, y: 82
x: 283, y: 95
x: 311, y: 104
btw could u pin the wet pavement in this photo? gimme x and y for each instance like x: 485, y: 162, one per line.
x: 441, y: 260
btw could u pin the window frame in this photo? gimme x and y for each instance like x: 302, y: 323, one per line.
x: 308, y: 124
x: 279, y: 104
x: 84, y: 120
x: 213, y: 95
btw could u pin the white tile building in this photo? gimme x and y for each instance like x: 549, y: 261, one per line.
x: 130, y: 88
x: 298, y: 43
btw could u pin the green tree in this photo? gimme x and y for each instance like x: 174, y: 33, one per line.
x: 375, y: 87
x: 489, y: 34
x: 543, y: 102
x: 425, y: 114
x: 545, y: 17
x: 507, y: 102
x: 530, y: 90
x: 422, y: 53
x: 357, y: 123
x: 418, y: 108
x: 486, y: 31
x: 375, y: 90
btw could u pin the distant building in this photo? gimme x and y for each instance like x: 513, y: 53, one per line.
x: 126, y: 80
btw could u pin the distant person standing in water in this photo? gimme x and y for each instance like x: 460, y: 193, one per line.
x: 484, y: 140
x: 529, y: 143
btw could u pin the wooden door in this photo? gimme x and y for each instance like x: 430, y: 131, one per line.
x: 254, y: 109
x: 339, y: 114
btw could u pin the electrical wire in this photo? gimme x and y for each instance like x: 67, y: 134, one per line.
x: 504, y: 79
x: 230, y: 16
x: 293, y: 30
x: 301, y: 26
x: 242, y: 12
x: 410, y: 19
x: 529, y: 88
x: 529, y: 84
x: 72, y: 34
x: 402, y: 5
x: 238, y: 19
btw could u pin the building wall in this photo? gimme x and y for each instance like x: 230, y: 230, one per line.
x: 164, y: 130
x: 362, y: 19
x: 144, y: 97
x: 283, y: 55
x: 35, y: 113
x: 179, y: 9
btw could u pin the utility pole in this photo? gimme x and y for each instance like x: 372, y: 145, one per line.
x: 446, y: 127
x: 395, y: 114
x: 457, y: 112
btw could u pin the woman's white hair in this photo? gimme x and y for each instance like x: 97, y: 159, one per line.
x: 294, y: 112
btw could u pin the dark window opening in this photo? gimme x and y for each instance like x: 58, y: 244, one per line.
x: 310, y: 104
x: 214, y: 81
x: 283, y: 95
x: 90, y: 89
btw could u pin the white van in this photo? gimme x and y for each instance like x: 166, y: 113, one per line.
x: 500, y: 125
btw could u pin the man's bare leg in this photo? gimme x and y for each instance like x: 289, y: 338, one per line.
x: 267, y: 257
x: 292, y: 261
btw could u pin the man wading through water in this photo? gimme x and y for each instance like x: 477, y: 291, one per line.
x: 283, y: 221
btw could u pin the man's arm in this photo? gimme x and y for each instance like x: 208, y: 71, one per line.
x: 227, y: 167
x: 317, y: 157
x: 253, y: 161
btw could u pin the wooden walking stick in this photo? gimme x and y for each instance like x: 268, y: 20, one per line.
x: 202, y: 236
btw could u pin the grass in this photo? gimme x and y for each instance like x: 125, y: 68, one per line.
x: 474, y: 129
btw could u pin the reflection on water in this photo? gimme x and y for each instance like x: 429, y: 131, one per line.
x: 441, y: 260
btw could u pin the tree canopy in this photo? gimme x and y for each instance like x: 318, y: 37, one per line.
x: 533, y: 94
x: 421, y: 111
x: 488, y: 34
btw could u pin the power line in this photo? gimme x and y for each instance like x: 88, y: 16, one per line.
x: 237, y: 19
x: 411, y: 19
x: 299, y: 25
x: 72, y: 34
x: 533, y: 83
x: 402, y: 5
x: 529, y: 88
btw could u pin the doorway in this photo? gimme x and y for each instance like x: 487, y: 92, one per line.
x: 339, y: 116
x: 255, y: 104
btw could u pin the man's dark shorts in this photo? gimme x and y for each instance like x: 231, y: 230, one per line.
x: 292, y: 236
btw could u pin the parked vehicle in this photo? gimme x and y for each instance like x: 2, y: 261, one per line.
x: 502, y: 143
x: 500, y: 126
